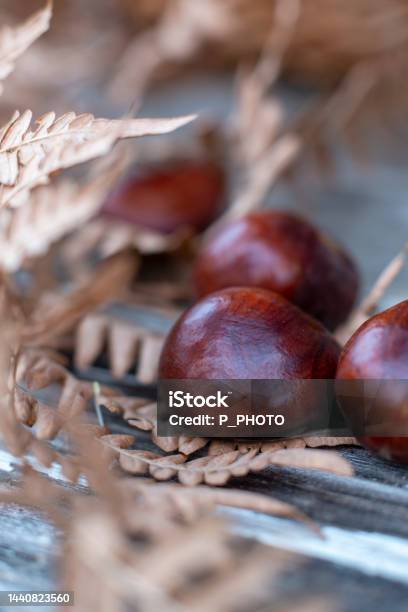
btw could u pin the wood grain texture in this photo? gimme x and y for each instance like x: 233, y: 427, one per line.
x: 354, y: 513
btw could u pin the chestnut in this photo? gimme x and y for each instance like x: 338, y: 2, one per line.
x: 249, y: 333
x: 183, y: 194
x: 282, y: 252
x: 378, y: 352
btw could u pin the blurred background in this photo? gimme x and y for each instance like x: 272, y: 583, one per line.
x: 340, y: 84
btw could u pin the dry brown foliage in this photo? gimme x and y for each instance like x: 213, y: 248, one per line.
x: 329, y: 38
x: 196, y: 567
x: 156, y: 545
x: 29, y: 156
x: 55, y: 313
x: 67, y: 396
x: 14, y: 41
x: 370, y: 304
x: 40, y: 369
x: 162, y: 547
x: 126, y: 344
x: 217, y: 467
x: 16, y: 408
x: 26, y: 232
x: 190, y: 502
x: 108, y: 237
x: 266, y: 144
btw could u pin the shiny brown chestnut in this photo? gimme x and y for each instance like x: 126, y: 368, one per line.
x: 183, y: 194
x: 250, y: 333
x: 378, y: 352
x: 282, y: 252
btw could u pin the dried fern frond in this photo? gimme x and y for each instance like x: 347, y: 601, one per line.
x: 107, y: 237
x: 265, y: 149
x: 329, y: 39
x: 20, y: 441
x: 268, y: 150
x: 73, y: 50
x: 56, y: 313
x: 143, y: 531
x: 191, y: 503
x: 54, y: 211
x: 218, y: 447
x: 220, y: 468
x: 177, y: 37
x: 29, y: 156
x: 177, y: 568
x: 49, y: 399
x: 319, y: 441
x: 158, y: 546
x: 14, y: 41
x: 127, y: 344
x: 37, y: 371
x: 369, y: 305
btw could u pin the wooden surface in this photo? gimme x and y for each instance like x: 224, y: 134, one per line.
x: 361, y: 562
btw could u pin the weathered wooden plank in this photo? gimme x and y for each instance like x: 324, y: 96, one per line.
x: 353, y: 503
x: 349, y: 566
x: 376, y: 499
x: 367, y: 465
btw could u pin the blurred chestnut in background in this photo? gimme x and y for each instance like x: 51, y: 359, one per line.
x: 183, y: 194
x: 282, y: 252
x: 248, y: 333
x: 378, y: 351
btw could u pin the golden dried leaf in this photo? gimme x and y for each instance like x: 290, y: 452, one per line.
x: 36, y: 371
x: 307, y: 442
x: 54, y: 210
x: 326, y: 461
x: 16, y: 406
x: 14, y: 41
x: 29, y: 156
x: 108, y: 237
x: 266, y: 173
x: 57, y: 313
x: 369, y: 305
x: 218, y: 469
x: 190, y: 502
x: 329, y: 39
x: 167, y: 565
x: 127, y: 344
x: 140, y: 413
x: 132, y: 536
x: 319, y: 441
